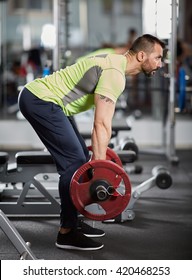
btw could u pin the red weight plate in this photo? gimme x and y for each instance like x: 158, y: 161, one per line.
x: 107, y: 171
x: 110, y: 155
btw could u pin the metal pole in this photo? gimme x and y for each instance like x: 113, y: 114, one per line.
x: 3, y: 54
x: 172, y: 89
x: 56, y: 24
x: 83, y: 17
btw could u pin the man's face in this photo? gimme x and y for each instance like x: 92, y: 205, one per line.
x: 153, y: 61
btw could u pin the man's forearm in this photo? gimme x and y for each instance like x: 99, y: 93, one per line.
x: 100, y: 140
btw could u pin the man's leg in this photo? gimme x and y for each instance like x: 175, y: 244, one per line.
x: 59, y: 137
x: 57, y: 134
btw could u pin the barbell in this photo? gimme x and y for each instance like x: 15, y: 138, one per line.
x: 101, y: 190
x: 104, y: 194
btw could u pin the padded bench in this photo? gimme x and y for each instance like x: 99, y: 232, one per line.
x: 27, y: 165
x: 116, y: 127
x: 33, y: 198
x: 4, y: 157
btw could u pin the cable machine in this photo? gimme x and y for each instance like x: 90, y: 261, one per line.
x: 61, y: 55
x: 171, y: 153
x: 168, y: 123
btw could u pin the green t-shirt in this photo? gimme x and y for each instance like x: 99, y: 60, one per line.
x: 73, y: 87
x: 98, y: 52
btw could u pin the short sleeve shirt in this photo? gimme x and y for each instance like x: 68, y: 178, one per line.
x: 73, y: 87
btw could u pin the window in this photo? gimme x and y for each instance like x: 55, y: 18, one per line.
x: 120, y: 7
x: 107, y: 6
x: 34, y: 4
x: 18, y: 6
x: 127, y: 7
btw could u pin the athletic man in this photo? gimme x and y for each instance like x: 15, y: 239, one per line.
x: 47, y: 103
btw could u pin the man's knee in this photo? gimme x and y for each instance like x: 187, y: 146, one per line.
x: 80, y: 161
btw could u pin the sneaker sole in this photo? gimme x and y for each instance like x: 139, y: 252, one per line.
x: 94, y: 235
x: 70, y: 247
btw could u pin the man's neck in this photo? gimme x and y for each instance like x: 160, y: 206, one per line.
x: 133, y: 66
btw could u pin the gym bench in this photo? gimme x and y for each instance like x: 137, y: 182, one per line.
x: 30, y: 169
x: 116, y: 127
x: 121, y: 146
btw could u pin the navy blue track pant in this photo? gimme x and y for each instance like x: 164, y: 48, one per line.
x: 60, y: 136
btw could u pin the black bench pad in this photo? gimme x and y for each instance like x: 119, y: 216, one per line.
x: 34, y: 157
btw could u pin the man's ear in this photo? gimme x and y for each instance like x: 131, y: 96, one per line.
x: 140, y: 56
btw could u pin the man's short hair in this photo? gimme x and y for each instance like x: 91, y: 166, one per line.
x: 146, y: 43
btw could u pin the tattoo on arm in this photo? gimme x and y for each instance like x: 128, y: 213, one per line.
x: 106, y: 99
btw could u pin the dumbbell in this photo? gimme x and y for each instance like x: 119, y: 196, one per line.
x: 136, y: 169
x: 128, y: 144
x: 163, y: 178
x: 105, y: 195
x: 137, y: 114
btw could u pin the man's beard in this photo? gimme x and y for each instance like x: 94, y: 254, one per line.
x: 149, y: 74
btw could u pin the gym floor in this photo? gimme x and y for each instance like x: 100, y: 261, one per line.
x: 161, y: 229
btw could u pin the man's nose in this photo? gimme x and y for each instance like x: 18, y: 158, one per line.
x: 160, y: 64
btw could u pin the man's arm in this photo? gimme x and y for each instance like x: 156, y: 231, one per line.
x: 101, y: 134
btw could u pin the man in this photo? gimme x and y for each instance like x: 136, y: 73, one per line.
x: 47, y: 103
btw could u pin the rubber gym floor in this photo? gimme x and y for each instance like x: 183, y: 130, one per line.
x: 161, y: 229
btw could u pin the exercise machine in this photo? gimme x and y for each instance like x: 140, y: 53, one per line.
x: 18, y: 242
